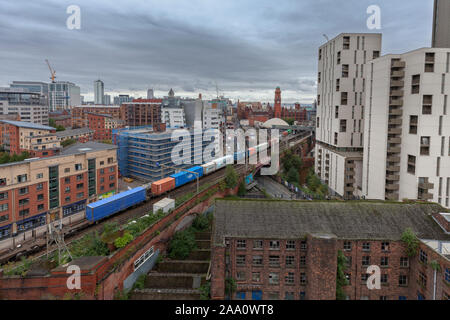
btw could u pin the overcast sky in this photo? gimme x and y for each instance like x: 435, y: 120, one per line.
x: 247, y: 46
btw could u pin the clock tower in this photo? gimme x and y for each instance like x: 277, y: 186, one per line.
x: 277, y: 106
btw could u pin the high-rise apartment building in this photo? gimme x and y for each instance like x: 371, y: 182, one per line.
x: 150, y: 94
x: 28, y: 106
x: 99, y: 92
x: 63, y: 95
x: 141, y: 112
x: 406, y: 144
x: 340, y: 110
x: 441, y: 24
x: 33, y: 86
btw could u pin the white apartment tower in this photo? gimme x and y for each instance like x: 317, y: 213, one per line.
x: 406, y: 145
x: 340, y: 110
x: 99, y: 92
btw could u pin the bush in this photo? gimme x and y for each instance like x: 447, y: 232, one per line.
x: 200, y: 223
x: 242, y: 191
x: 231, y: 177
x: 205, y: 291
x: 68, y: 142
x: 140, y: 282
x: 411, y: 241
x: 230, y: 286
x: 181, y: 245
x: 123, y: 241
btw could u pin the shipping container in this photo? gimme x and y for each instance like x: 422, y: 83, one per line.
x: 165, y: 205
x: 209, y: 168
x: 184, y: 177
x: 114, y: 204
x: 163, y: 185
x: 249, y: 179
x: 222, y: 162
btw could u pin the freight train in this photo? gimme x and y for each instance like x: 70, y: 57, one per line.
x: 107, y: 207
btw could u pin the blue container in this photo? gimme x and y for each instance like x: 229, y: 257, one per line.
x: 249, y: 179
x: 184, y: 177
x: 103, y: 208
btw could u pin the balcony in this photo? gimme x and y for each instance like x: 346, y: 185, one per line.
x: 348, y: 189
x: 392, y: 187
x: 350, y: 165
x: 393, y: 159
x: 397, y: 83
x: 393, y: 177
x: 351, y: 180
x: 395, y: 140
x: 391, y: 196
x: 397, y: 74
x: 395, y: 112
x: 396, y: 93
x: 394, y: 122
x: 426, y: 196
x: 396, y: 102
x: 426, y: 185
x: 393, y: 168
x: 395, y: 131
x: 394, y: 150
x: 398, y: 64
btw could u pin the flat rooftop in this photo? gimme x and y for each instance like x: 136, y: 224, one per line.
x: 73, y: 132
x: 87, y: 147
x: 365, y: 220
x: 30, y: 125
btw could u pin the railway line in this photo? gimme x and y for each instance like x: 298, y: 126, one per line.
x: 33, y: 249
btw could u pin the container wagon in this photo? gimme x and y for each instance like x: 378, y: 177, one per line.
x: 222, y: 162
x: 101, y: 209
x: 184, y: 177
x: 209, y: 168
x: 163, y: 185
x: 165, y: 205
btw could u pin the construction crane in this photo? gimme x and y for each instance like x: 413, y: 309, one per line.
x: 53, y: 72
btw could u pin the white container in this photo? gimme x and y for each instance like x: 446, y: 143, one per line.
x: 165, y: 204
x: 208, y: 168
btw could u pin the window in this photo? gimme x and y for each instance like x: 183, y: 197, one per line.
x: 376, y: 54
x: 79, y: 177
x: 423, y: 257
x: 274, y: 278
x: 274, y: 245
x: 67, y: 190
x: 256, y: 276
x: 111, y: 169
x: 289, y: 279
x: 110, y: 160
x: 343, y: 126
x: 66, y: 170
x: 274, y: 295
x: 384, y: 261
x: 102, y: 171
x: 3, y: 195
x: 447, y: 275
x: 303, y: 245
x: 415, y: 84
x: 303, y: 261
x: 290, y: 261
x: 345, y: 71
x: 24, y: 202
x: 78, y: 167
x: 240, y: 295
x: 274, y: 261
x: 289, y: 296
x: 240, y: 275
x: 66, y: 180
x: 257, y: 244
x: 302, y: 278
x: 40, y: 207
x: 67, y: 199
x: 24, y: 212
x: 257, y: 260
x: 23, y: 190
x: 80, y: 186
x: 348, y: 277
x: 290, y: 244
x: 364, y: 277
x: 240, y: 260
x: 346, y: 43
x: 425, y: 146
x: 240, y: 244
x: 411, y: 164
x: 366, y: 246
x: 111, y: 185
x: 347, y: 246
x: 338, y: 85
x: 39, y: 176
x: 385, y: 246
x: 339, y: 57
x: 365, y: 260
x: 3, y: 207
x: 344, y: 98
x: 404, y: 262
x: 80, y: 195
x: 349, y: 262
x: 102, y: 163
x: 384, y: 278
x: 402, y: 280
x: 21, y: 178
x: 427, y: 104
x: 422, y: 280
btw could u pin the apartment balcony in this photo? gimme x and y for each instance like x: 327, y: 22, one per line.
x: 395, y: 112
x: 393, y: 159
x: 327, y: 175
x: 394, y: 122
x: 397, y: 102
x: 397, y: 83
x: 392, y: 187
x: 350, y: 165
x: 398, y: 64
x: 350, y: 180
x: 391, y: 196
x: 395, y: 140
x: 397, y: 74
x: 393, y: 168
x: 393, y: 177
x: 426, y: 196
x: 396, y: 93
x: 394, y: 150
x: 426, y: 185
x: 349, y: 189
x: 395, y: 131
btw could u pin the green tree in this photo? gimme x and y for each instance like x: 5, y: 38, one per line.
x: 290, y: 121
x: 341, y: 280
x: 242, y: 190
x: 231, y: 177
x: 68, y: 142
x: 293, y: 176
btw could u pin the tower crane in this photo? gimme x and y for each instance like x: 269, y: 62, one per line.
x: 53, y: 72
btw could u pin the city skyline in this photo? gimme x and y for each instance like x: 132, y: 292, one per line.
x: 246, y: 48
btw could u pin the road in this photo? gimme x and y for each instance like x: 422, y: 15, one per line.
x: 275, y: 189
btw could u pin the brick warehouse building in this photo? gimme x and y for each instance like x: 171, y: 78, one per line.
x: 80, y: 113
x: 37, y: 191
x: 289, y: 249
x: 102, y: 125
x: 141, y: 112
